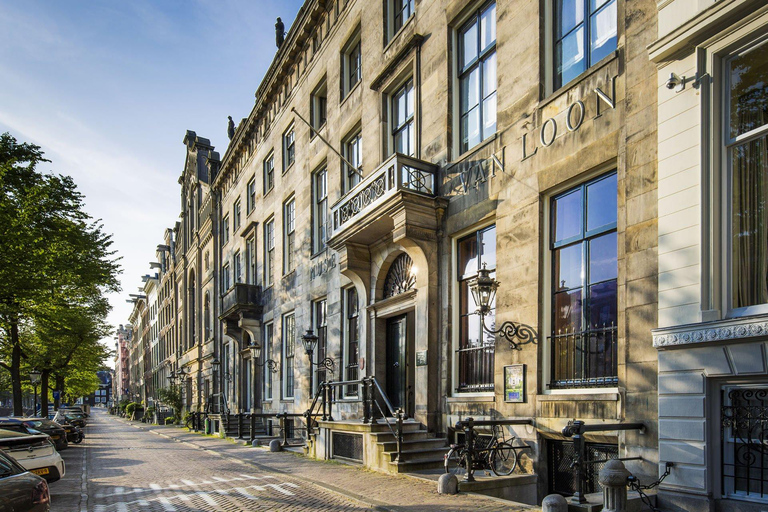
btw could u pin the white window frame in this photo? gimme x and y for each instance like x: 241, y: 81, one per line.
x: 250, y: 259
x: 349, y: 391
x: 266, y: 355
x: 289, y: 235
x: 269, y: 172
x: 225, y: 230
x: 236, y: 215
x: 250, y: 203
x: 394, y: 12
x: 288, y: 368
x: 289, y: 147
x: 238, y: 268
x: 409, y: 124
x: 352, y: 148
x: 225, y: 274
x: 318, y: 107
x: 319, y: 209
x: 269, y: 252
x: 351, y: 64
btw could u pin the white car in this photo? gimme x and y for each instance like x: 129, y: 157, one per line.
x: 35, y: 453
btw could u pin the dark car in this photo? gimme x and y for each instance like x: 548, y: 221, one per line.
x: 76, y: 419
x: 74, y: 434
x: 57, y: 432
x: 20, y: 489
x: 16, y: 425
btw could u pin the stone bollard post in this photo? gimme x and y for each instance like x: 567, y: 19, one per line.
x: 447, y: 484
x: 613, y: 478
x: 554, y: 503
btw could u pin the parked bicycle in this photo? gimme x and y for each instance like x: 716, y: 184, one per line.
x: 488, y: 453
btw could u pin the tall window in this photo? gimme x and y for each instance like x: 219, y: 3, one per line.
x: 238, y: 259
x: 398, y: 13
x: 269, y: 173
x: 225, y: 277
x: 289, y: 236
x: 320, y: 325
x: 351, y: 65
x: 269, y: 253
x: 236, y: 218
x: 402, y: 119
x: 584, y: 252
x: 289, y: 346
x: 251, y: 199
x: 266, y: 354
x: 320, y: 214
x: 477, y: 78
x: 584, y: 33
x: 319, y: 107
x: 476, y: 349
x: 207, y: 316
x: 289, y: 148
x: 250, y: 260
x: 225, y: 230
x: 353, y: 151
x: 351, y: 338
x: 746, y: 137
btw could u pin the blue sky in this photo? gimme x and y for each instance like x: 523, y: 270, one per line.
x: 108, y: 89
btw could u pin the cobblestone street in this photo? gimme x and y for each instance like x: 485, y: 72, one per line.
x: 124, y: 466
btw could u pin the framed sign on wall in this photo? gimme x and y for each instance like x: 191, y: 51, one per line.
x: 514, y: 383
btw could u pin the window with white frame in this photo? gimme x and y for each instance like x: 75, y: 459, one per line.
x: 266, y: 354
x: 289, y: 351
x: 250, y: 259
x: 320, y: 326
x: 225, y: 277
x: 584, y: 33
x: 269, y: 252
x: 476, y: 69
x: 351, y: 339
x: 398, y: 12
x: 225, y: 230
x: 238, y: 263
x: 584, y: 249
x: 289, y: 147
x: 320, y: 213
x: 318, y: 112
x: 289, y: 236
x: 250, y: 203
x: 476, y: 349
x: 402, y: 119
x: 746, y: 142
x: 351, y: 64
x: 353, y: 152
x: 269, y: 173
x: 236, y: 216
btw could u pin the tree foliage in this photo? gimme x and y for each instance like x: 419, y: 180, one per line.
x: 56, y: 264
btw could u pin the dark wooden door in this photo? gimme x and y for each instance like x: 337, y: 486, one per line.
x: 397, y: 334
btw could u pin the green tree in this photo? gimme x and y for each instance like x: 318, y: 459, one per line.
x: 52, y: 253
x: 171, y: 396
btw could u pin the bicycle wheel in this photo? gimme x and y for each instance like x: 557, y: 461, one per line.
x: 503, y: 459
x: 456, y: 462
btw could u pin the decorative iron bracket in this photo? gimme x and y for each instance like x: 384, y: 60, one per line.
x: 510, y: 330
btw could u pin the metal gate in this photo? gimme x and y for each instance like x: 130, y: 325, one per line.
x: 347, y: 446
x: 562, y: 476
x: 743, y: 430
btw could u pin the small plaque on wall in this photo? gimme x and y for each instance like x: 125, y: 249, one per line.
x: 421, y: 358
x: 514, y: 383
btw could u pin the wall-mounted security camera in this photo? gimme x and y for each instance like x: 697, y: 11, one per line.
x: 675, y: 82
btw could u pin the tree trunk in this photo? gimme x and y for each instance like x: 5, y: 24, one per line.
x: 18, y: 406
x: 44, y: 393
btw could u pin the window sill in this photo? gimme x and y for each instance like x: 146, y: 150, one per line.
x: 399, y: 32
x: 315, y: 131
x: 568, y: 395
x: 268, y: 191
x: 471, y: 397
x: 346, y: 96
x: 288, y: 168
x: 287, y: 400
x: 319, y: 252
x: 474, y: 150
x: 573, y: 82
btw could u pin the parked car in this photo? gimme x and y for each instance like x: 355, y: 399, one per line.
x: 75, y: 409
x: 35, y: 453
x: 17, y: 425
x: 74, y: 434
x: 76, y: 419
x: 20, y: 489
x: 57, y: 432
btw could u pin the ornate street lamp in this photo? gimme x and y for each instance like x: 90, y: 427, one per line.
x: 309, y: 340
x: 34, y: 378
x: 483, y: 288
x: 270, y: 364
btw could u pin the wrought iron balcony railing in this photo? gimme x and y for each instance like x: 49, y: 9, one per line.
x: 398, y: 173
x: 585, y: 359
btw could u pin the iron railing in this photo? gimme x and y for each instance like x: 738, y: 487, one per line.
x: 585, y: 358
x: 743, y: 430
x: 476, y: 366
x: 398, y: 172
x: 468, y: 425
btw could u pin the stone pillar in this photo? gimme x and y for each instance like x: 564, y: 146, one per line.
x: 613, y: 478
x: 554, y: 503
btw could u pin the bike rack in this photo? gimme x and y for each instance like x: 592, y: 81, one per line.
x: 468, y: 426
x: 576, y: 430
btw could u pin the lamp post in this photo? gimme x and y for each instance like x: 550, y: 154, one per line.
x: 483, y: 288
x: 309, y: 340
x: 269, y: 364
x: 34, y: 378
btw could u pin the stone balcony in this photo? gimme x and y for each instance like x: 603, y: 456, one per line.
x: 241, y: 310
x: 399, y: 196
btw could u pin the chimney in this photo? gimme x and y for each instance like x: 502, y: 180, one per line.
x: 279, y: 33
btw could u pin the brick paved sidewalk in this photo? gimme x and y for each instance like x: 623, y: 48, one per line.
x: 379, y: 491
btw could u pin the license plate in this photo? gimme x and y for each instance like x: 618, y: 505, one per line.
x: 41, y: 471
x: 55, y: 437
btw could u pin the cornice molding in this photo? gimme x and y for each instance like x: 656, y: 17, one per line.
x: 723, y: 330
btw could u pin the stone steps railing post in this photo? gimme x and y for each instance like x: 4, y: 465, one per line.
x: 613, y: 478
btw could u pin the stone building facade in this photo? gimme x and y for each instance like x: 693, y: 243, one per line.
x: 395, y: 150
x: 712, y: 123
